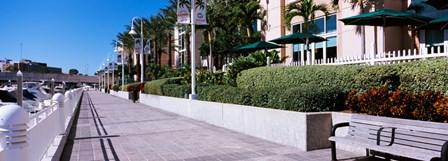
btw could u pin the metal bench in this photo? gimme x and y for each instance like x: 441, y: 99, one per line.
x: 392, y: 136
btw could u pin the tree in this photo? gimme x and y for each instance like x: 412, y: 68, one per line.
x: 248, y: 13
x: 73, y: 72
x: 169, y: 21
x: 307, y: 10
x: 128, y: 44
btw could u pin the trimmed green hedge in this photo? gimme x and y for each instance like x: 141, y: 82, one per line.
x: 291, y: 77
x: 415, y: 77
x: 305, y: 99
x: 156, y: 86
x: 421, y: 76
x: 127, y: 86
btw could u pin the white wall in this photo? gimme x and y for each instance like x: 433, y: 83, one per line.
x: 306, y: 131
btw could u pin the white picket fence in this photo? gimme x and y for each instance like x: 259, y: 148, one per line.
x: 393, y: 57
x: 41, y: 135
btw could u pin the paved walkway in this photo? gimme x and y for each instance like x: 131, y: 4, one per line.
x: 111, y: 128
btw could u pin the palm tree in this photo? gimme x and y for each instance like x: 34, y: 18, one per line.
x: 128, y: 45
x: 209, y: 30
x: 248, y: 13
x: 169, y: 21
x: 307, y: 10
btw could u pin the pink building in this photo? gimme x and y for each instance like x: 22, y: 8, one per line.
x: 346, y: 40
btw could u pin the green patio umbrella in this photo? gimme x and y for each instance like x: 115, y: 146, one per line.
x: 386, y: 18
x: 438, y: 24
x: 260, y: 45
x: 297, y: 38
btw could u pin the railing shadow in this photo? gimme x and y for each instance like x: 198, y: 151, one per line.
x: 103, y: 135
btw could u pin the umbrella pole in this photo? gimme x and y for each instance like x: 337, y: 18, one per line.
x: 384, y: 40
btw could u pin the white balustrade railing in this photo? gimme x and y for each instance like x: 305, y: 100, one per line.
x: 43, y: 131
x: 391, y: 57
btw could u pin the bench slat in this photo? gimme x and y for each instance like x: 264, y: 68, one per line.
x: 410, y: 127
x: 417, y: 123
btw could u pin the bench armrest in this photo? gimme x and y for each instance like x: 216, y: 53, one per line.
x: 338, y: 125
x: 378, y: 135
x: 444, y: 152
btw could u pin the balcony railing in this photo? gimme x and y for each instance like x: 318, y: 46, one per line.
x: 393, y: 57
x: 40, y: 135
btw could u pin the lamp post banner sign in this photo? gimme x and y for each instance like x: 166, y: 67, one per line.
x: 147, y: 49
x: 137, y: 46
x: 183, y: 13
x: 200, y: 12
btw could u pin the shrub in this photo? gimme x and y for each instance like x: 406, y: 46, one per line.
x: 115, y: 87
x: 133, y: 86
x: 306, y: 99
x: 429, y: 106
x: 156, y: 86
x: 415, y: 77
x: 378, y: 76
x: 428, y: 75
x: 289, y: 77
x: 176, y: 90
x: 204, y: 76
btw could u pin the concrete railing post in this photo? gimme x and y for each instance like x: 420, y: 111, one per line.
x: 2, y: 147
x: 52, y: 87
x: 59, y: 98
x: 268, y: 61
x: 72, y: 100
x: 68, y: 96
x: 19, y: 88
x: 13, y: 124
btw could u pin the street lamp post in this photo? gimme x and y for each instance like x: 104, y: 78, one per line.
x: 122, y: 62
x: 193, y: 94
x: 104, y: 76
x: 132, y: 32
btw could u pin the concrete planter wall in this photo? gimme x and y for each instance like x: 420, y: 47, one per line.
x: 306, y: 131
x: 120, y: 94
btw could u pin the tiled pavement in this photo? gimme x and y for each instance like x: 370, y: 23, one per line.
x: 111, y: 128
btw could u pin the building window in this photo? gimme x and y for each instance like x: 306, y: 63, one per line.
x: 296, y: 48
x: 332, y: 43
x: 181, y: 46
x: 331, y: 24
x: 255, y: 26
x: 317, y: 27
x: 325, y: 27
x: 434, y: 38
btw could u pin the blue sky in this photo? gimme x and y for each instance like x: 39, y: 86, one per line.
x: 67, y: 33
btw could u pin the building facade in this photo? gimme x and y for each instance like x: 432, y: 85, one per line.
x: 346, y: 40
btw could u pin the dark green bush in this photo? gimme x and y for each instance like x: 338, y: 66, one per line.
x: 306, y: 99
x: 130, y: 87
x: 176, y: 90
x: 387, y: 76
x: 428, y: 75
x: 115, y: 87
x: 415, y: 77
x: 156, y: 86
x: 290, y: 77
